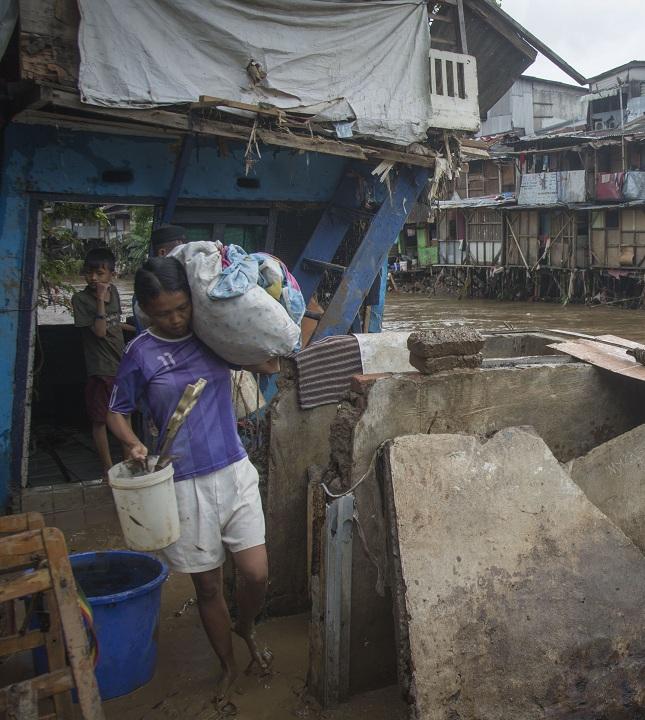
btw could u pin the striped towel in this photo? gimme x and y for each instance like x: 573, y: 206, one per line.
x: 325, y: 369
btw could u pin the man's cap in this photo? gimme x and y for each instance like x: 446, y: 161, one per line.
x: 165, y: 234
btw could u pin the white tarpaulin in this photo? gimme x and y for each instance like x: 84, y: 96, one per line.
x: 366, y: 61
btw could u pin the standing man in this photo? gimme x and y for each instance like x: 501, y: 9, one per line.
x: 166, y: 238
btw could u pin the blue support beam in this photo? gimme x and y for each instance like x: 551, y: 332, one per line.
x: 43, y: 162
x: 178, y: 178
x: 372, y: 253
x: 330, y: 231
x: 378, y: 305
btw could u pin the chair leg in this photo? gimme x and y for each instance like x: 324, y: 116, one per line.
x: 55, y: 644
x: 73, y: 629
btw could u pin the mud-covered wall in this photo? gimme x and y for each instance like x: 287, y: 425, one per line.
x: 573, y: 407
x: 297, y: 439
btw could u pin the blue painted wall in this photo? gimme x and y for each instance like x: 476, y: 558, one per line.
x: 64, y: 162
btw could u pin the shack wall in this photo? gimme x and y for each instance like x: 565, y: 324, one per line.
x: 46, y: 162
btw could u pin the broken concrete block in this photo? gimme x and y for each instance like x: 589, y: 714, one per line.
x: 612, y: 476
x: 432, y: 365
x: 515, y: 597
x: 445, y: 341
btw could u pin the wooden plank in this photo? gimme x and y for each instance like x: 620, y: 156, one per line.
x: 26, y: 584
x: 21, y: 543
x: 73, y: 629
x: 209, y: 101
x: 56, y: 654
x: 621, y: 341
x: 434, y: 41
x: 316, y: 512
x: 37, y: 117
x: 462, y: 27
x: 17, y: 643
x: 22, y: 701
x: 21, y: 522
x: 612, y: 339
x: 20, y: 562
x: 184, y: 123
x: 339, y: 526
x: 45, y: 685
x: 603, y: 356
x: 269, y: 243
x: 369, y: 257
x: 315, y: 522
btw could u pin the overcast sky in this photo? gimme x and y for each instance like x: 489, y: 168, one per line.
x: 591, y: 35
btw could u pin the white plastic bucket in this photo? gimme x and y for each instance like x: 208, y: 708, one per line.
x: 147, y: 507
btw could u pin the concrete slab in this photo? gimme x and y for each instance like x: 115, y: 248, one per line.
x: 515, y: 596
x: 574, y: 407
x: 612, y: 476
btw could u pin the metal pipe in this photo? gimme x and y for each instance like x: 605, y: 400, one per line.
x: 622, y: 122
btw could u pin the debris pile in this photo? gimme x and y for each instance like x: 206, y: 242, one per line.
x: 434, y: 351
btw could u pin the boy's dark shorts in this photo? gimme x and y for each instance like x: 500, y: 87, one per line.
x: 97, y: 396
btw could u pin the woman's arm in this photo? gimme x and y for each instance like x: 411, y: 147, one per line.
x: 120, y: 427
x: 266, y: 368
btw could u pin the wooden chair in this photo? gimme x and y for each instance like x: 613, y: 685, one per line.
x: 34, y: 564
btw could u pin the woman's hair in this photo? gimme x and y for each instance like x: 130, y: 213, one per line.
x: 157, y: 275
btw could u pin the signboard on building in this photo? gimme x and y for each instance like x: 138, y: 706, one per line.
x: 538, y: 189
x: 550, y: 188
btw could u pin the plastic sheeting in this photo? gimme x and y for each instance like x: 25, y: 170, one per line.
x: 362, y: 61
x: 634, y: 186
x: 609, y: 186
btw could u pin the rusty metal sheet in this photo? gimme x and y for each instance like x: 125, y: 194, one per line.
x: 609, y: 358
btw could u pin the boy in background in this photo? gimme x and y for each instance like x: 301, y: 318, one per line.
x: 97, y: 312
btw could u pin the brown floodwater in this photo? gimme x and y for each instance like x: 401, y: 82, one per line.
x: 407, y: 311
x: 414, y: 311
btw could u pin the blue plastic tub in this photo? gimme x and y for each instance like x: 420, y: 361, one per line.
x: 124, y: 590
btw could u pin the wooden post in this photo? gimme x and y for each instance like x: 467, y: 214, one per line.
x: 339, y: 525
x: 462, y: 27
x: 331, y: 584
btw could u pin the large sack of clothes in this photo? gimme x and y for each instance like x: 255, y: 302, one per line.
x: 246, y: 307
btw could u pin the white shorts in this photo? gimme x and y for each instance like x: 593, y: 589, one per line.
x: 219, y: 511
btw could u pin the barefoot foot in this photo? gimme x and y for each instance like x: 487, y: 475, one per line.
x: 262, y: 658
x: 224, y: 688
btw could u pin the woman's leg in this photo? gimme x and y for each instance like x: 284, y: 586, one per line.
x: 217, y: 623
x: 252, y: 573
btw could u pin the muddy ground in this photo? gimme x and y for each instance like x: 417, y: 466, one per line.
x: 182, y: 687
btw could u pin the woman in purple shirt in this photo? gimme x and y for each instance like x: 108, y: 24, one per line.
x: 215, y: 483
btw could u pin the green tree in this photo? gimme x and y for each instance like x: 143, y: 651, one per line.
x: 137, y: 241
x: 62, y: 251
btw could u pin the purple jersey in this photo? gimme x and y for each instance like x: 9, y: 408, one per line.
x: 157, y: 371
